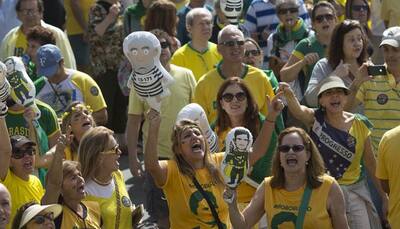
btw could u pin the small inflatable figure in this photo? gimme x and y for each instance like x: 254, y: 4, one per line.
x: 232, y: 10
x: 149, y: 78
x: 22, y: 88
x: 4, y: 89
x: 234, y: 166
x: 195, y: 112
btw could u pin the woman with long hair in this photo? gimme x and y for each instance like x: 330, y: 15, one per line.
x: 343, y: 139
x: 347, y: 52
x: 193, y: 175
x: 98, y: 155
x: 298, y: 193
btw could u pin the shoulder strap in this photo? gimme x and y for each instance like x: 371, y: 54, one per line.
x: 118, y: 200
x: 210, y: 204
x: 303, y: 207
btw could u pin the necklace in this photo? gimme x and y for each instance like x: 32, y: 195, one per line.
x: 102, y: 183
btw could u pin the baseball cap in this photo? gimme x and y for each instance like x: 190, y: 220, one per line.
x: 332, y: 82
x: 48, y: 56
x: 35, y: 209
x: 391, y: 36
x: 17, y: 141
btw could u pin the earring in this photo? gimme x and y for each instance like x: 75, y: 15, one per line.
x: 306, y: 162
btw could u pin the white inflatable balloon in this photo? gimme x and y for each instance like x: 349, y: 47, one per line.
x: 195, y: 112
x: 4, y: 89
x: 22, y: 88
x: 234, y: 166
x: 232, y: 10
x: 149, y: 78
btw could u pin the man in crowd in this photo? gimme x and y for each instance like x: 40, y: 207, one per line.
x: 199, y: 55
x: 30, y: 13
x: 182, y: 92
x: 62, y: 85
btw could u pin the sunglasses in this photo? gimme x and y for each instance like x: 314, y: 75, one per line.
x: 232, y: 43
x: 18, y: 154
x: 288, y: 10
x: 254, y: 52
x: 164, y: 44
x: 295, y: 148
x: 228, y: 97
x: 114, y: 150
x: 40, y: 219
x: 359, y: 7
x: 322, y: 17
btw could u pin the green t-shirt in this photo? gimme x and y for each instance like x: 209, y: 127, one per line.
x: 48, y: 126
x: 306, y: 46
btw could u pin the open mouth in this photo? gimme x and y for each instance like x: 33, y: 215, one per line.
x: 3, y: 219
x: 87, y: 124
x: 290, y: 21
x: 335, y: 104
x: 28, y: 165
x: 291, y: 161
x: 81, y: 189
x: 196, y: 147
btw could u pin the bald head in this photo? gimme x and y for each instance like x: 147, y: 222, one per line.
x: 5, y: 206
x: 229, y: 30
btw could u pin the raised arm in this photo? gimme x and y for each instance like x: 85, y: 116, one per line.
x: 360, y: 77
x: 292, y: 68
x: 55, y: 173
x: 152, y: 165
x: 303, y: 113
x: 5, y: 145
x: 132, y: 135
x: 336, y: 207
x: 251, y: 214
x: 262, y: 142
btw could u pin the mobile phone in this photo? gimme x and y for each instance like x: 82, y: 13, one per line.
x: 376, y: 70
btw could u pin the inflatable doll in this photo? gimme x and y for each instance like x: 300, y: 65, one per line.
x: 232, y: 10
x: 4, y: 89
x: 235, y: 164
x: 149, y: 78
x: 22, y: 88
x: 195, y: 112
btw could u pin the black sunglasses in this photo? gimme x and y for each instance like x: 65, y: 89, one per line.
x: 295, y: 148
x: 328, y: 17
x: 164, y: 44
x: 290, y: 10
x: 254, y: 52
x: 359, y: 7
x: 228, y: 97
x: 233, y: 43
x: 18, y: 154
x: 40, y: 219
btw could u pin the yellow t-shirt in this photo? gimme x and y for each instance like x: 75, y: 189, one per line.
x: 187, y: 207
x: 209, y: 84
x: 109, y: 206
x: 21, y: 44
x: 281, y: 206
x: 199, y: 62
x: 72, y: 24
x: 381, y: 99
x: 22, y: 191
x: 388, y: 168
x: 71, y: 220
x: 182, y: 92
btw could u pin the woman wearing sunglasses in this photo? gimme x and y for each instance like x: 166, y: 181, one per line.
x: 236, y: 107
x: 98, y: 155
x: 347, y: 52
x: 343, y: 139
x: 297, y: 71
x: 34, y: 216
x: 191, y: 181
x: 298, y: 194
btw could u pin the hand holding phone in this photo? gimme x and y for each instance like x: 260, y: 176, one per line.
x: 376, y: 70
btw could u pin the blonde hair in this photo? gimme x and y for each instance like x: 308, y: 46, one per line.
x: 184, y: 167
x: 92, y: 144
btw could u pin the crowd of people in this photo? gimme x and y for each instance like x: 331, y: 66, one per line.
x: 315, y: 83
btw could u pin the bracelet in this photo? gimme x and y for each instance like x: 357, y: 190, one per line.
x: 270, y: 121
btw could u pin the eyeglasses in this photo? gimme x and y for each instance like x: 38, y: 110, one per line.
x: 29, y: 12
x: 114, y: 150
x: 40, y: 219
x: 359, y: 7
x: 288, y: 10
x: 328, y: 17
x: 18, y: 154
x: 164, y: 44
x: 295, y: 148
x: 233, y: 43
x: 254, y: 52
x: 228, y: 97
